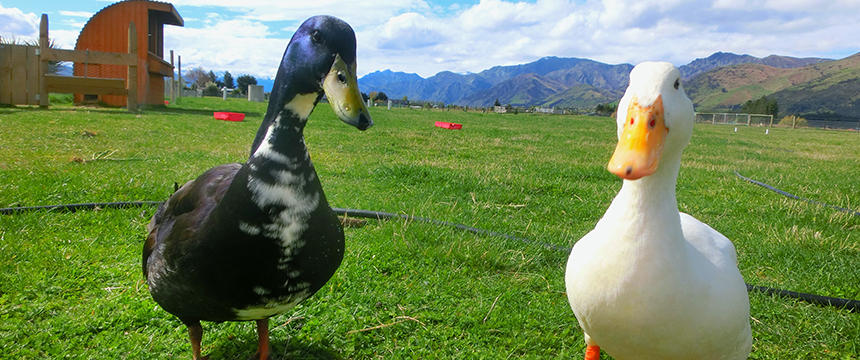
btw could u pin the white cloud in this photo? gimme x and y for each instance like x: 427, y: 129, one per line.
x: 240, y: 46
x: 409, y: 31
x: 64, y: 39
x: 14, y: 23
x: 82, y: 14
x: 357, y: 13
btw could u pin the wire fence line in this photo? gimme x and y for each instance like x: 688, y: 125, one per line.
x: 767, y: 120
x: 735, y: 119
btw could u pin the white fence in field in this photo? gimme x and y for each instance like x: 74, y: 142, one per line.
x: 735, y: 119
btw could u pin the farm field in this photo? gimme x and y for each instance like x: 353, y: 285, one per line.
x: 71, y: 284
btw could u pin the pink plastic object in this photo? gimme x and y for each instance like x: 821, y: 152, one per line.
x: 447, y: 125
x: 229, y: 116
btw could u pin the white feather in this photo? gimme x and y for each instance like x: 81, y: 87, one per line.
x: 649, y: 282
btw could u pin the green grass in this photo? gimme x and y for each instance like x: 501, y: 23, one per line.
x: 71, y: 284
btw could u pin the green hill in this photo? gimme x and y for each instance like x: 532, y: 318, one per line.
x: 583, y: 96
x: 829, y: 87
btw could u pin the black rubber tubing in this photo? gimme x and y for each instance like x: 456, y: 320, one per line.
x: 847, y: 304
x: 790, y: 195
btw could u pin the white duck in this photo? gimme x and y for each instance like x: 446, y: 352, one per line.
x: 649, y: 282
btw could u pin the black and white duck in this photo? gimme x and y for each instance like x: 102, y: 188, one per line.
x: 249, y: 241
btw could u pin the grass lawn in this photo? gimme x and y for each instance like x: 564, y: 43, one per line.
x: 71, y: 283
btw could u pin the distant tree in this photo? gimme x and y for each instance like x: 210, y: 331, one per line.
x: 243, y: 81
x: 405, y: 100
x: 214, y: 79
x: 772, y: 107
x: 228, y: 80
x: 197, y: 77
x: 380, y: 96
x: 605, y: 108
x: 364, y: 97
x: 762, y: 105
x: 497, y: 103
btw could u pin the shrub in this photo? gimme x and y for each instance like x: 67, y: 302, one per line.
x: 211, y: 89
x: 792, y: 121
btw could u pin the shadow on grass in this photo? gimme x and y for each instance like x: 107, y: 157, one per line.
x: 186, y: 111
x: 282, y: 349
x: 62, y: 108
x: 155, y: 109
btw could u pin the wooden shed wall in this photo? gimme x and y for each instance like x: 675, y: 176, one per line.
x: 108, y: 31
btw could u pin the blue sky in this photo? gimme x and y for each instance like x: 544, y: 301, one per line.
x: 425, y: 37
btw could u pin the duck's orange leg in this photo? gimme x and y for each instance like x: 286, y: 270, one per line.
x: 592, y: 352
x: 195, y: 334
x: 263, y: 339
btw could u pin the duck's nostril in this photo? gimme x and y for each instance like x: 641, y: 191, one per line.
x: 364, y: 122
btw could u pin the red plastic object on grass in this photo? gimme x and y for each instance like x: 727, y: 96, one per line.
x: 229, y: 116
x: 447, y: 125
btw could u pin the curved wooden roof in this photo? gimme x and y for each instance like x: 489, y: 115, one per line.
x: 112, y: 22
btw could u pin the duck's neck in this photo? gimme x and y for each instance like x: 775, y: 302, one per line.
x: 280, y: 173
x: 282, y: 129
x: 645, y: 210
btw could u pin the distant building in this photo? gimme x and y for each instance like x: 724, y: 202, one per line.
x: 500, y: 109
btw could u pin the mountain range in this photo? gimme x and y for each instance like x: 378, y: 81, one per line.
x: 719, y: 82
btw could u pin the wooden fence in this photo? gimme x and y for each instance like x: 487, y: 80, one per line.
x: 24, y: 79
x: 19, y: 80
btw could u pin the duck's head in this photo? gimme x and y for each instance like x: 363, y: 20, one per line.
x: 320, y: 58
x: 655, y: 119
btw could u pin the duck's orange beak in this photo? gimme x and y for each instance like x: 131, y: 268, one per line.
x: 641, y: 143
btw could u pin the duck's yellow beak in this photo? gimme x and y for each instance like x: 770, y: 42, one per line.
x: 341, y: 90
x: 641, y: 143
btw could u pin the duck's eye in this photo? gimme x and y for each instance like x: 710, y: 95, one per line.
x: 341, y: 77
x: 677, y: 83
x: 315, y: 36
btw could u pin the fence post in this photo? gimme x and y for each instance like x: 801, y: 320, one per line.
x: 748, y: 119
x: 172, y: 80
x: 131, y: 98
x: 43, y: 64
x: 179, y: 85
x: 771, y: 121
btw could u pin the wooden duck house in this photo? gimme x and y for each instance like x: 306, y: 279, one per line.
x: 106, y: 31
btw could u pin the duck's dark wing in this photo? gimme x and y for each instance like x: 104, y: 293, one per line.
x: 177, y: 220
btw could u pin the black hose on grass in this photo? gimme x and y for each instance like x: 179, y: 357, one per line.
x: 790, y: 195
x: 76, y: 207
x: 847, y: 304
